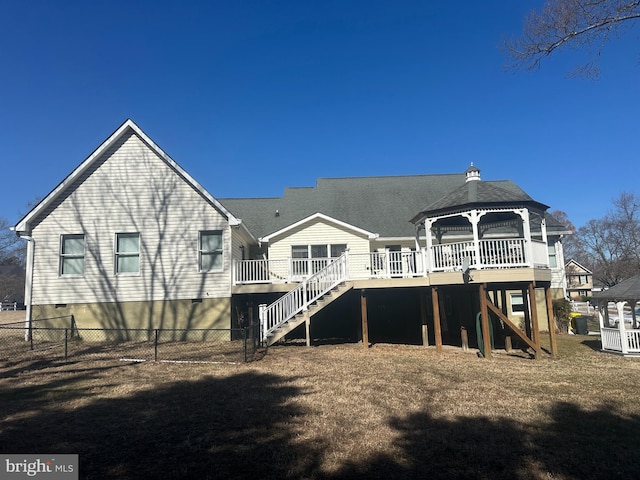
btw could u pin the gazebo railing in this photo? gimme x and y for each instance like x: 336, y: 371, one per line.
x: 615, y: 340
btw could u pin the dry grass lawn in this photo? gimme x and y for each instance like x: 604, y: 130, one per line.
x: 334, y: 412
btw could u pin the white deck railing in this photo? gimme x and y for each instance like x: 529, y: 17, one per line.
x: 612, y: 339
x: 501, y: 253
x: 298, y: 300
x: 507, y: 253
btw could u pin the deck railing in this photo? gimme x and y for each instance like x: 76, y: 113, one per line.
x: 507, y: 253
x: 499, y: 253
x: 299, y: 299
x: 612, y: 339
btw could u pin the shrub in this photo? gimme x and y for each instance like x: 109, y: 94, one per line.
x: 561, y: 313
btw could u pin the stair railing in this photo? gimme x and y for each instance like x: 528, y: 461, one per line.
x: 298, y: 300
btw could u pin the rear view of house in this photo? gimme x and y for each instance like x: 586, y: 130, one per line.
x: 130, y: 240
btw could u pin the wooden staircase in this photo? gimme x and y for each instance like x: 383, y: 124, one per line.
x: 304, y: 301
x: 306, y: 315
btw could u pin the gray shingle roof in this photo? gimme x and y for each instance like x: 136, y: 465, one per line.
x: 626, y: 290
x: 384, y: 205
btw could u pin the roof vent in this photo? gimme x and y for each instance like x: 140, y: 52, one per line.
x: 473, y: 173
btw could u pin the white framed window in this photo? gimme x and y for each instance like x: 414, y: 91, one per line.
x: 127, y: 253
x: 553, y: 256
x: 72, y: 253
x: 210, y: 251
x: 517, y: 303
x: 338, y: 249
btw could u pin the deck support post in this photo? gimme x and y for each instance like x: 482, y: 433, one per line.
x: 423, y: 317
x: 484, y: 321
x: 535, y: 325
x: 365, y: 324
x: 552, y: 323
x: 307, y: 328
x: 437, y: 329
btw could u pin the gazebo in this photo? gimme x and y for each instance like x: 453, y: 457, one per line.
x: 618, y: 338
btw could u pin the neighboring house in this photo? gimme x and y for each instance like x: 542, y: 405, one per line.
x: 579, y: 280
x: 129, y: 239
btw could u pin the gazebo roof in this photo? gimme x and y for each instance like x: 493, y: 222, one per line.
x: 628, y: 289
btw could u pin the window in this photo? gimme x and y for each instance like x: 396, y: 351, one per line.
x: 338, y: 249
x: 298, y: 254
x: 517, y: 303
x: 210, y: 251
x: 319, y: 251
x: 72, y: 255
x: 553, y: 262
x: 127, y: 253
x: 583, y: 279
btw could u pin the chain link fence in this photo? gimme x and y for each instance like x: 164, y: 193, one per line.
x: 68, y: 341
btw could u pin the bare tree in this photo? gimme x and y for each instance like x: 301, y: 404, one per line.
x: 12, y: 248
x: 610, y: 247
x: 11, y: 264
x: 560, y: 24
x: 569, y: 242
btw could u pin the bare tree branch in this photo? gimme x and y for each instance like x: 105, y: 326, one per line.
x: 569, y: 23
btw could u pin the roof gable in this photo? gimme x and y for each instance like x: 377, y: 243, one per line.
x: 574, y: 267
x: 128, y: 127
x: 318, y: 216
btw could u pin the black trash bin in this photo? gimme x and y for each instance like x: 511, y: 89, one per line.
x: 580, y: 324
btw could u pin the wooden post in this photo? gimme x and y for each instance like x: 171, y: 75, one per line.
x: 484, y: 320
x: 535, y: 326
x: 307, y: 327
x: 552, y: 322
x: 508, y: 346
x: 423, y: 319
x: 365, y: 325
x: 527, y: 314
x: 464, y: 338
x: 437, y: 331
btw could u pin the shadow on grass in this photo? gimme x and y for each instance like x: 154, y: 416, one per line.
x: 594, y: 344
x: 234, y: 427
x: 246, y: 426
x: 575, y: 444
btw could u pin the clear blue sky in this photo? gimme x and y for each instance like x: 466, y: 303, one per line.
x: 251, y: 97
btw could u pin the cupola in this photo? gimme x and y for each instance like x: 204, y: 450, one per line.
x: 473, y: 173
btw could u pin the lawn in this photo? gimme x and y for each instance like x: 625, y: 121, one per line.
x: 334, y: 412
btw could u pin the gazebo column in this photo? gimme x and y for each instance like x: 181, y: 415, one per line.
x: 623, y: 332
x: 526, y: 229
x: 601, y: 306
x: 474, y: 218
x: 428, y: 223
x: 634, y: 317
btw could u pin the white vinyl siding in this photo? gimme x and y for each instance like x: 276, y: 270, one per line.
x: 317, y: 233
x: 72, y: 254
x: 127, y: 255
x: 144, y: 195
x: 210, y: 253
